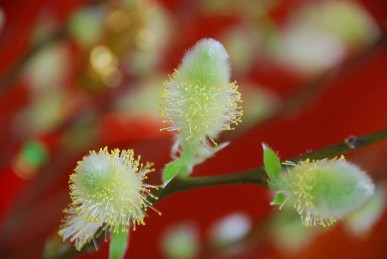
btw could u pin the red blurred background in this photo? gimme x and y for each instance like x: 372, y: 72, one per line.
x: 57, y: 102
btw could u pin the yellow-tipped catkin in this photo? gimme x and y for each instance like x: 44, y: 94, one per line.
x: 107, y: 189
x: 325, y: 190
x: 198, y: 101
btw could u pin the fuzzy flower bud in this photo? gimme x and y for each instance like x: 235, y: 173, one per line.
x: 324, y: 190
x: 106, y: 190
x: 198, y: 100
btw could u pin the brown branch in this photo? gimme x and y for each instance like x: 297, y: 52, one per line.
x: 313, y: 88
x: 258, y: 175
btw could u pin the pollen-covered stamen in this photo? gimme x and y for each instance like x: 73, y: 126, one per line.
x: 78, y: 229
x: 197, y: 111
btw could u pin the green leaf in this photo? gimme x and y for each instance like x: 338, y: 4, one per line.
x: 272, y: 163
x: 204, y: 153
x: 118, y: 245
x: 279, y: 199
x: 172, y: 169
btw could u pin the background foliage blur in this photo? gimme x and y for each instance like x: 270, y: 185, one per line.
x: 80, y: 74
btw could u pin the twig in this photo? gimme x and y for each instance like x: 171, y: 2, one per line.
x: 312, y: 89
x: 258, y: 175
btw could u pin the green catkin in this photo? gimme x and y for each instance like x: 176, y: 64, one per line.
x: 198, y: 101
x: 107, y: 189
x: 325, y: 190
